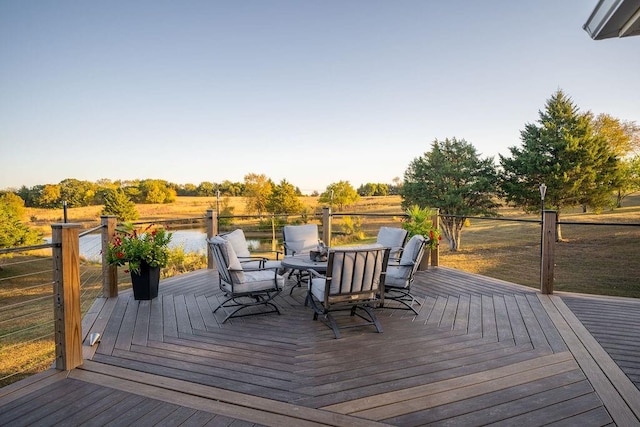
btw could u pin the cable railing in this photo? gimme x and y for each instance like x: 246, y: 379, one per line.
x: 601, y: 258
x: 26, y: 315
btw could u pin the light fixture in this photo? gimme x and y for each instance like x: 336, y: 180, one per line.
x: 543, y: 191
x: 94, y: 337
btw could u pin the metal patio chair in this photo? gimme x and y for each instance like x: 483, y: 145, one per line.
x: 399, y: 277
x: 244, y: 287
x: 394, y: 238
x: 241, y: 247
x: 299, y: 240
x: 354, y: 282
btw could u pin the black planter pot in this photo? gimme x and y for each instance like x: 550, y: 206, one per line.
x: 145, y: 283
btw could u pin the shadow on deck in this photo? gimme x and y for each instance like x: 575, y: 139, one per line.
x: 480, y: 351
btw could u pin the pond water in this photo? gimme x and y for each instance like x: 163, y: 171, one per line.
x: 192, y: 241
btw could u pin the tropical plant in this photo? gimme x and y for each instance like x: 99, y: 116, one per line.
x: 132, y: 246
x: 419, y: 221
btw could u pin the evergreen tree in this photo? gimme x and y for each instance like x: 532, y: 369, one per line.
x: 563, y: 152
x: 117, y: 203
x: 453, y: 178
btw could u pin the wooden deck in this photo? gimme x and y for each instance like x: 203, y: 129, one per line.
x: 481, y: 351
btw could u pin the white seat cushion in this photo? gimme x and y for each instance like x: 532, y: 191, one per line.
x: 397, y: 276
x: 317, y: 287
x: 231, y: 258
x: 392, y: 237
x: 256, y: 281
x: 300, y: 239
x: 256, y: 264
x: 239, y: 242
x: 411, y: 249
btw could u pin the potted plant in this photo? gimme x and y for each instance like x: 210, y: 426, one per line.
x: 145, y: 252
x: 418, y: 221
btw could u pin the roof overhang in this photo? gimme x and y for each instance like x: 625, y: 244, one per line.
x: 614, y: 18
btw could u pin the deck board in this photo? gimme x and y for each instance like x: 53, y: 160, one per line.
x: 480, y: 351
x: 615, y: 324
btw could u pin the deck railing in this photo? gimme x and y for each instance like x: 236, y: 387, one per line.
x: 66, y: 267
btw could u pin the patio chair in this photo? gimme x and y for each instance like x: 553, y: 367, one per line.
x: 299, y: 240
x: 354, y: 282
x: 394, y: 238
x: 241, y: 248
x: 244, y: 287
x: 399, y: 277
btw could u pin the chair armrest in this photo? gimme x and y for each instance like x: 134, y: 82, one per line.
x: 314, y: 273
x: 244, y: 259
x: 270, y: 252
x: 293, y: 251
x: 407, y: 264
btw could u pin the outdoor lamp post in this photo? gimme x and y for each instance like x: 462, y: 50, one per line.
x: 218, y: 209
x: 543, y: 192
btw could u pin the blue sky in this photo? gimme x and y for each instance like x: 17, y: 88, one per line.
x: 313, y: 92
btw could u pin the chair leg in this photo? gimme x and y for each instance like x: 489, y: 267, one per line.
x: 329, y: 320
x: 238, y: 303
x: 373, y: 319
x: 404, y: 298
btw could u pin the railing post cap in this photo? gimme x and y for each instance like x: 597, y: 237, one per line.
x: 66, y: 225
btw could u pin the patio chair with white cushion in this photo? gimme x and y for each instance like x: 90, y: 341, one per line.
x: 394, y: 238
x: 241, y: 247
x: 244, y: 287
x: 299, y: 240
x: 354, y: 282
x: 397, y: 284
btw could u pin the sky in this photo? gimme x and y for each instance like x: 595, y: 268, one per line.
x: 311, y: 92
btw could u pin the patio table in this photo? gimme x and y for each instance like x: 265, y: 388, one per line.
x: 302, y: 263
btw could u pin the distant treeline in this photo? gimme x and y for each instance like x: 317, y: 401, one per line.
x: 77, y: 193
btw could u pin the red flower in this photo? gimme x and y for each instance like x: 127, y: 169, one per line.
x: 120, y: 255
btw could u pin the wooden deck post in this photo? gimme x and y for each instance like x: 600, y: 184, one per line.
x: 547, y: 258
x: 212, y: 230
x: 326, y: 225
x: 109, y: 272
x: 435, y: 252
x: 66, y: 295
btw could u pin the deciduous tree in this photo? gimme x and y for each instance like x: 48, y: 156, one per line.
x: 339, y: 193
x: 12, y: 231
x: 284, y: 199
x: 257, y: 189
x: 623, y: 138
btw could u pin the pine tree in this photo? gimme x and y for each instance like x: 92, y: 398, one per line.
x: 563, y: 152
x: 117, y: 203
